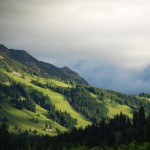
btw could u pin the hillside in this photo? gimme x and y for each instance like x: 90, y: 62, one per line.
x: 44, y: 69
x: 35, y: 95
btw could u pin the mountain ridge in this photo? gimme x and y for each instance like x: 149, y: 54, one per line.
x: 46, y: 69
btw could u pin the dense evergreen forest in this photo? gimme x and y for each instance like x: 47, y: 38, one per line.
x: 81, y: 100
x: 123, y: 99
x: 119, y: 133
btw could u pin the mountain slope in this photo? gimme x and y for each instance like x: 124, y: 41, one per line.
x: 29, y: 90
x: 56, y: 98
x: 27, y: 120
x: 43, y: 68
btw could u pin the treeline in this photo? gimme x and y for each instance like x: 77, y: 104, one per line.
x: 146, y: 95
x: 4, y: 77
x: 10, y: 65
x: 19, y: 96
x: 123, y: 99
x: 60, y: 117
x: 81, y: 100
x: 22, y: 96
x: 113, y: 134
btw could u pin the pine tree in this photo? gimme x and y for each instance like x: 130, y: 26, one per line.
x: 135, y: 119
x: 141, y: 117
x: 128, y: 123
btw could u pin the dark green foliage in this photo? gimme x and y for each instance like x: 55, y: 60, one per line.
x: 35, y: 131
x: 30, y: 105
x: 84, y: 103
x: 9, y: 64
x: 135, y: 120
x: 46, y: 125
x: 62, y: 118
x: 4, y: 136
x: 100, y: 136
x: 4, y: 77
x: 58, y: 89
x: 38, y: 84
x: 16, y: 127
x: 117, y: 131
x: 33, y: 97
x: 141, y: 117
x: 41, y: 99
x: 18, y: 103
x: 5, y: 119
x: 146, y: 95
x: 102, y: 133
x: 120, y: 122
x: 14, y: 92
x: 123, y: 99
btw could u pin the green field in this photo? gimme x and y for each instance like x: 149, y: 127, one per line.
x: 23, y: 119
x: 96, y: 97
x: 58, y: 99
x: 145, y: 99
x: 113, y: 110
x: 49, y: 80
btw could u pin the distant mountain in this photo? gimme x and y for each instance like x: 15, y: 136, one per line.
x: 43, y: 68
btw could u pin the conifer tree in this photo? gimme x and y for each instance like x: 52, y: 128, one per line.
x: 141, y: 118
x: 135, y: 119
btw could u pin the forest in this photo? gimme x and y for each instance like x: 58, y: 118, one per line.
x: 21, y: 96
x: 35, y: 96
x: 81, y: 100
x: 119, y: 132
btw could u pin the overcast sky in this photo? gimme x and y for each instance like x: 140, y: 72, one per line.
x: 105, y: 41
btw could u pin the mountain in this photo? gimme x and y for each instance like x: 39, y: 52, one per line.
x: 42, y: 68
x: 73, y: 75
x: 38, y: 96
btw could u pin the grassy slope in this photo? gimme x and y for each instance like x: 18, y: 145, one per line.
x: 115, y: 108
x: 48, y: 80
x: 144, y: 99
x: 96, y: 97
x: 58, y: 99
x: 23, y: 119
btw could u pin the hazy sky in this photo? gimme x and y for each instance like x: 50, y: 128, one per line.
x: 106, y: 41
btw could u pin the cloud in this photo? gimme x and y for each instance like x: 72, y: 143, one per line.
x: 126, y: 80
x: 113, y: 33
